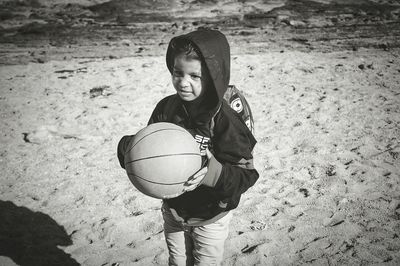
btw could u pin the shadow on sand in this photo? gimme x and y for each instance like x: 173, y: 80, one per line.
x: 31, y: 238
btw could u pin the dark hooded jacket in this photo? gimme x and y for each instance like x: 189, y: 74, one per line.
x: 215, y: 126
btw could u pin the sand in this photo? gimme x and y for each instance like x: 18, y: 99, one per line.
x: 328, y: 153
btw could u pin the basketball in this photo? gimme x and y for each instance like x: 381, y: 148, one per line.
x: 161, y: 158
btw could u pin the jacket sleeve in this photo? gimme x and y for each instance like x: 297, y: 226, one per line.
x: 156, y: 116
x: 232, y: 170
x: 235, y: 180
x: 122, y: 146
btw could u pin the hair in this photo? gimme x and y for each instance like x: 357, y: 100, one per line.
x: 182, y: 46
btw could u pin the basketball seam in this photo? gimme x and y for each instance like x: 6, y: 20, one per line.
x: 164, y: 155
x: 151, y: 134
x: 157, y: 183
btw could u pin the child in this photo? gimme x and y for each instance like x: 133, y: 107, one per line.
x: 196, y: 223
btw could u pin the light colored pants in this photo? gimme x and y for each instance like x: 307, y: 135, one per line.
x: 195, y: 245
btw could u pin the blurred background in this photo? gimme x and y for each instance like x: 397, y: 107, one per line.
x: 40, y: 30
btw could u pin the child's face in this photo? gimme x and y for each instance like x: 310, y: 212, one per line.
x: 186, y: 78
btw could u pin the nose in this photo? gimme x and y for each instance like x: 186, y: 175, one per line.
x: 184, y: 81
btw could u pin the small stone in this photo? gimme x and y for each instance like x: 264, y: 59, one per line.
x: 336, y: 219
x: 126, y: 42
x: 297, y: 23
x: 100, y: 90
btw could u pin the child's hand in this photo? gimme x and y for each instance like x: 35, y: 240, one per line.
x: 195, y: 180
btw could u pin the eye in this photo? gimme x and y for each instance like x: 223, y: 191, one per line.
x: 195, y: 77
x: 177, y: 73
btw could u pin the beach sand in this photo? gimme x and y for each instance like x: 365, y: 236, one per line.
x: 328, y: 129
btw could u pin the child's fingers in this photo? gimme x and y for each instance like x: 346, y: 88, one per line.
x: 195, y: 180
x: 201, y: 172
x: 189, y: 188
x: 209, y: 154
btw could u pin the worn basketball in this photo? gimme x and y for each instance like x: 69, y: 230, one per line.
x: 161, y: 158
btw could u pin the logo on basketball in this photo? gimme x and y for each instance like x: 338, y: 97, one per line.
x: 237, y: 105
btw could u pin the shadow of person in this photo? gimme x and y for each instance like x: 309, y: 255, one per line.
x: 31, y: 238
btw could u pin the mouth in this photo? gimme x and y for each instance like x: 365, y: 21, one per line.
x: 185, y: 92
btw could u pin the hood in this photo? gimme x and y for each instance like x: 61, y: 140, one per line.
x: 215, y: 52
